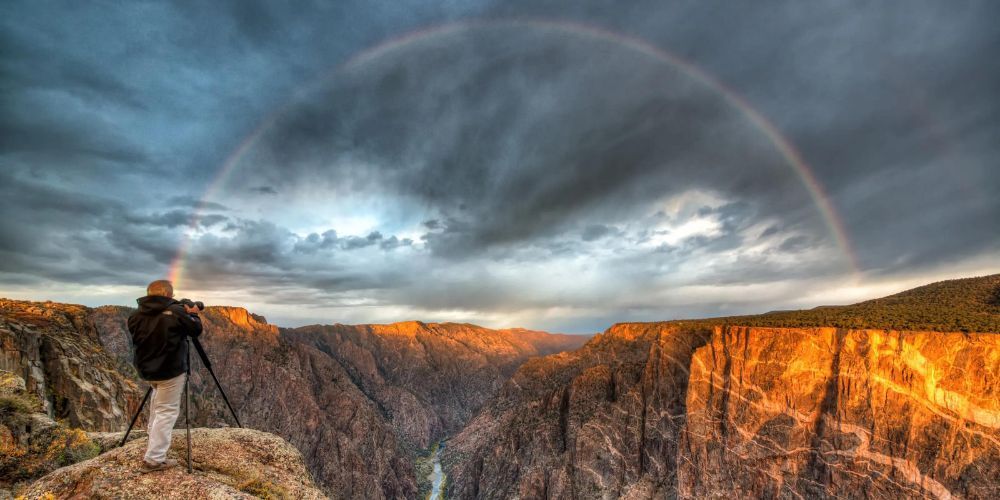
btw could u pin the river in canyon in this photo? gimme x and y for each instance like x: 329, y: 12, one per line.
x: 437, y: 476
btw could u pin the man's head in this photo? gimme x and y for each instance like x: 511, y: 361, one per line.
x: 163, y: 288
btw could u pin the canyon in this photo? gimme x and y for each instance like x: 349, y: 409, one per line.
x: 359, y: 401
x: 896, y: 397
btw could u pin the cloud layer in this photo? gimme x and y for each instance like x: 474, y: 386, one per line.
x: 505, y: 174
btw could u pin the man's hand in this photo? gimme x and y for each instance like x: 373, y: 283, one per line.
x: 191, y: 309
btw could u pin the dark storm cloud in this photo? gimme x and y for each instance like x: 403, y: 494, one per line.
x: 52, y: 232
x: 892, y: 105
x: 42, y: 92
x: 597, y: 231
x: 523, y: 150
x: 25, y: 133
x: 173, y: 218
x: 75, y: 236
x: 189, y: 201
x: 42, y: 65
x: 512, y: 135
x: 886, y: 102
x: 264, y: 190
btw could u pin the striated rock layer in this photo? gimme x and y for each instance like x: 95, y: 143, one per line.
x: 694, y: 410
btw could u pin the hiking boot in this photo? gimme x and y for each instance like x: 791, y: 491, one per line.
x: 148, y: 466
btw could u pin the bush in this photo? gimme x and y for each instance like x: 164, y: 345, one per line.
x: 69, y: 446
x: 15, y: 409
x: 262, y: 488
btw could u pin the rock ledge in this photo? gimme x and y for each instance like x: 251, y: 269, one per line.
x: 228, y: 463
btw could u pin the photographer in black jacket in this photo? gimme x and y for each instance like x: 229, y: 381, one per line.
x: 159, y: 338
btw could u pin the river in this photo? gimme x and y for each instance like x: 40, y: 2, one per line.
x: 437, y: 477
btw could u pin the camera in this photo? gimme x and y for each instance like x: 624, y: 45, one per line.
x: 193, y: 303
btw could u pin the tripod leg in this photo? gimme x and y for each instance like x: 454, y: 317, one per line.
x: 208, y: 365
x: 224, y: 398
x: 187, y: 410
x: 136, y: 417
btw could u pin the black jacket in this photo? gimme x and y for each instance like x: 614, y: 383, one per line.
x: 159, y: 337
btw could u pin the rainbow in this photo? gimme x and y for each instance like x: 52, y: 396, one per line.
x: 783, y: 145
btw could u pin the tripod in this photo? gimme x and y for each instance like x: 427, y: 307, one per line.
x: 187, y: 398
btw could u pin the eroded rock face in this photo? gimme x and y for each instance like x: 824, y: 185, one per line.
x: 227, y: 463
x: 694, y: 411
x: 429, y: 378
x: 56, y: 349
x: 895, y: 413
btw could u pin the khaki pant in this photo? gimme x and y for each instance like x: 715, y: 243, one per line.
x: 165, y: 405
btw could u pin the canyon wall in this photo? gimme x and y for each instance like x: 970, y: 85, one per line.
x: 430, y: 378
x: 695, y: 409
x: 56, y: 350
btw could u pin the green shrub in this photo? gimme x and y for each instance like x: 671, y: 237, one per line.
x: 15, y: 409
x: 964, y: 305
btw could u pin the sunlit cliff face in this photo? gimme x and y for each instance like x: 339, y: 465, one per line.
x: 509, y: 175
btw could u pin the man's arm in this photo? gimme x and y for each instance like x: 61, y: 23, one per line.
x: 132, y: 328
x: 190, y: 321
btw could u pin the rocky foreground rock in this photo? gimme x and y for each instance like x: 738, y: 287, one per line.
x: 227, y: 463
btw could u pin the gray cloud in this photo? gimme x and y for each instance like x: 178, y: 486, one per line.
x: 512, y: 133
x: 264, y: 190
x: 499, y: 174
x: 188, y: 201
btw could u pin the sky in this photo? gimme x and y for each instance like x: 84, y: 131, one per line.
x: 551, y: 165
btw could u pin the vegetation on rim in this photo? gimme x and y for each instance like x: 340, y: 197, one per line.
x: 962, y: 305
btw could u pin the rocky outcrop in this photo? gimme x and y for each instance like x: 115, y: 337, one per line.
x: 429, y: 378
x: 226, y: 463
x: 56, y: 349
x: 700, y: 410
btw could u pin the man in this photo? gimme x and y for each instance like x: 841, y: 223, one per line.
x: 159, y: 338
